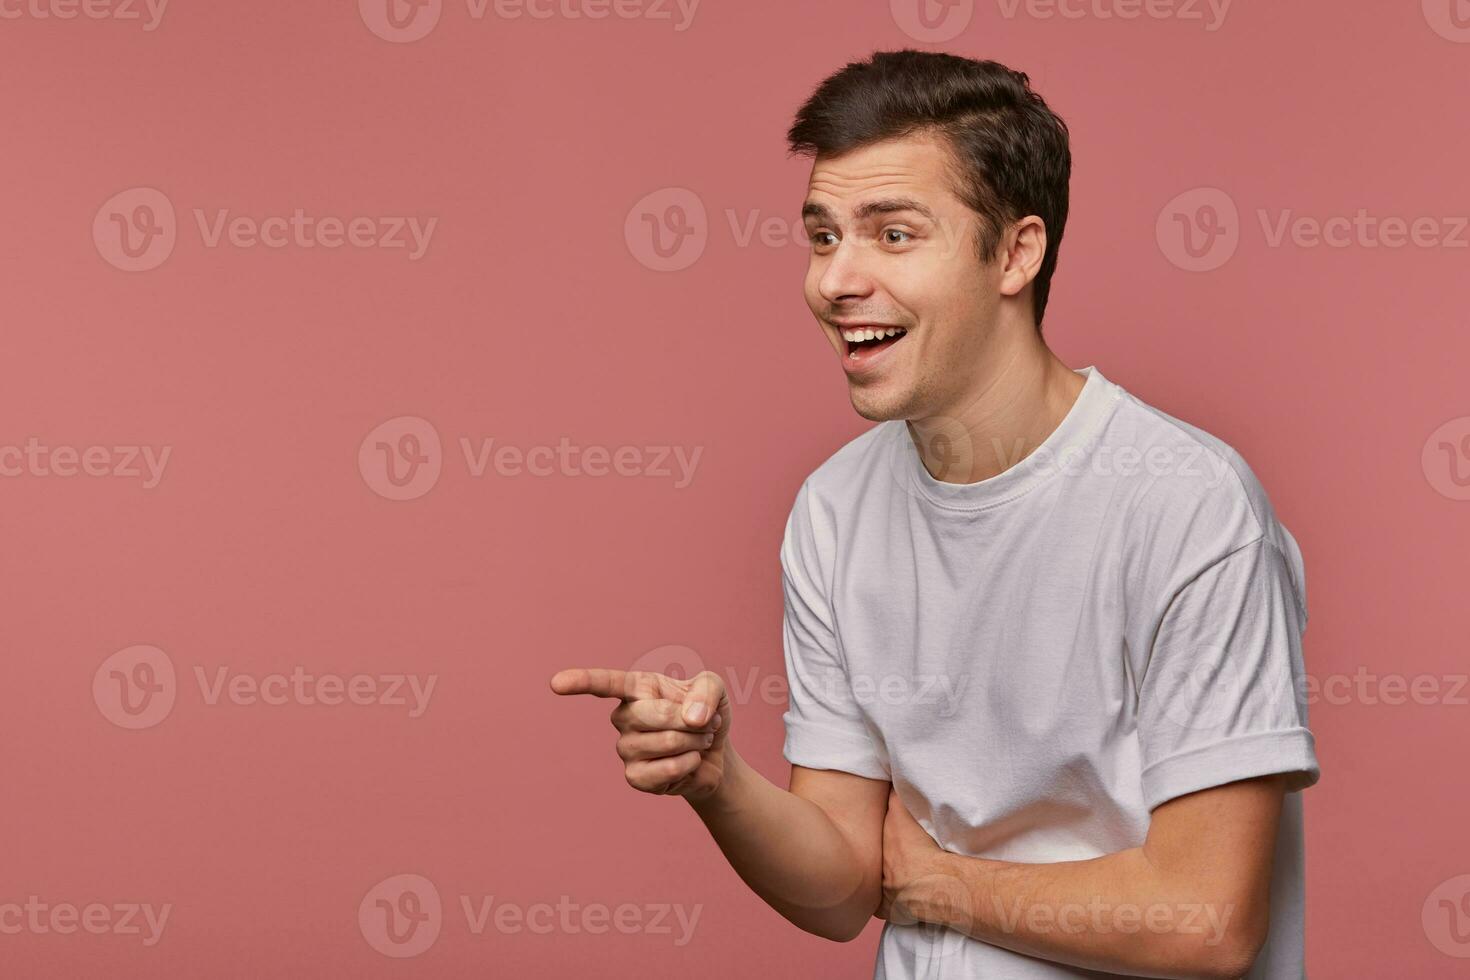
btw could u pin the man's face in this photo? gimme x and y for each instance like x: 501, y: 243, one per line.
x: 892, y: 246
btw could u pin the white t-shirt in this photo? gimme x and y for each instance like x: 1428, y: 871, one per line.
x: 1038, y: 659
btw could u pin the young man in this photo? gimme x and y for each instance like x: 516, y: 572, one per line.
x: 1043, y: 640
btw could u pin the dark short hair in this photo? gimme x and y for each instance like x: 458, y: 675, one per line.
x: 1010, y: 149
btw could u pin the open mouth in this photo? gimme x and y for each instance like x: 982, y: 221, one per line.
x: 865, y: 342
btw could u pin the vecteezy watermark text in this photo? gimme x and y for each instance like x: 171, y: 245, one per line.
x: 137, y: 688
x: 39, y: 918
x: 37, y: 460
x: 1097, y: 916
x: 1201, y: 229
x: 149, y: 12
x: 136, y: 230
x: 893, y: 689
x: 402, y: 459
x: 406, y: 21
x: 402, y: 916
x: 301, y: 687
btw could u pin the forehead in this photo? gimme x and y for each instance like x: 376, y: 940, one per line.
x: 915, y: 167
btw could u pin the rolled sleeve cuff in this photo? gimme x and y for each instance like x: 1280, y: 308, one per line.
x: 824, y: 747
x: 1291, y: 750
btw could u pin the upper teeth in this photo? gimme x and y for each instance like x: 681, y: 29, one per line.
x: 857, y: 335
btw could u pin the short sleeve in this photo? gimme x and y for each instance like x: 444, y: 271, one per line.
x: 1223, y: 694
x: 824, y: 725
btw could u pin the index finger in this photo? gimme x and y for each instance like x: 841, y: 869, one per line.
x: 603, y: 682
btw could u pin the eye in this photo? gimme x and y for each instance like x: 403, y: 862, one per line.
x: 816, y: 238
x: 895, y: 231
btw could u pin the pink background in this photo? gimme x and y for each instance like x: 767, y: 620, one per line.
x: 531, y: 318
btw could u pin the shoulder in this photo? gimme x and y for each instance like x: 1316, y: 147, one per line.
x: 1189, y: 495
x: 839, y: 484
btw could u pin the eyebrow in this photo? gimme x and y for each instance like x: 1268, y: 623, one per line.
x: 862, y: 212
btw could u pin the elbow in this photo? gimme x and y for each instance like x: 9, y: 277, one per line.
x: 838, y: 930
x: 844, y: 921
x: 1230, y: 963
x: 1229, y: 956
x: 838, y: 924
x: 1223, y: 965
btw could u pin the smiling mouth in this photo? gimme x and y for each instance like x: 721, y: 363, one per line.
x: 864, y: 342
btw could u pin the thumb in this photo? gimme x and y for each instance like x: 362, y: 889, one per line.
x: 706, y: 692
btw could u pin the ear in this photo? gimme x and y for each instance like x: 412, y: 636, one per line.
x: 1022, y: 251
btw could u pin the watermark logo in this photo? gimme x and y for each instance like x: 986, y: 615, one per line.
x: 669, y: 229
x: 937, y: 457
x: 1198, y: 686
x: 932, y: 21
x: 1450, y: 19
x: 948, y: 915
x: 672, y: 660
x: 942, y: 692
x: 135, y: 230
x: 400, y: 21
x: 135, y: 687
x: 1446, y: 459
x: 138, y: 686
x: 666, y: 231
x: 942, y: 447
x: 1446, y: 917
x: 401, y: 915
x: 405, y: 21
x: 402, y: 458
x: 1199, y: 230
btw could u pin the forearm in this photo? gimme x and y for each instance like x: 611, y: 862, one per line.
x: 1118, y: 913
x: 790, y: 853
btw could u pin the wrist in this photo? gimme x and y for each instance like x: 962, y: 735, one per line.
x: 721, y: 800
x: 940, y: 893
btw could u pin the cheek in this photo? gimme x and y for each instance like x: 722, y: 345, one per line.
x: 961, y: 304
x: 934, y: 287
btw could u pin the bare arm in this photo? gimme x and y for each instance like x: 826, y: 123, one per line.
x: 812, y: 852
x: 1191, y: 902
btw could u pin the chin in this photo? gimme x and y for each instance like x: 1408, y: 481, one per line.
x: 877, y: 407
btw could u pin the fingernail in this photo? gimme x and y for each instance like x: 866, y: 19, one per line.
x: 694, y: 714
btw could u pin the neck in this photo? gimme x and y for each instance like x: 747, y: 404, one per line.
x: 1015, y: 401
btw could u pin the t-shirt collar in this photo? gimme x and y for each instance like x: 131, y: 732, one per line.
x: 1061, y: 451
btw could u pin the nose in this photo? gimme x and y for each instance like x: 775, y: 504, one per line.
x: 846, y: 275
